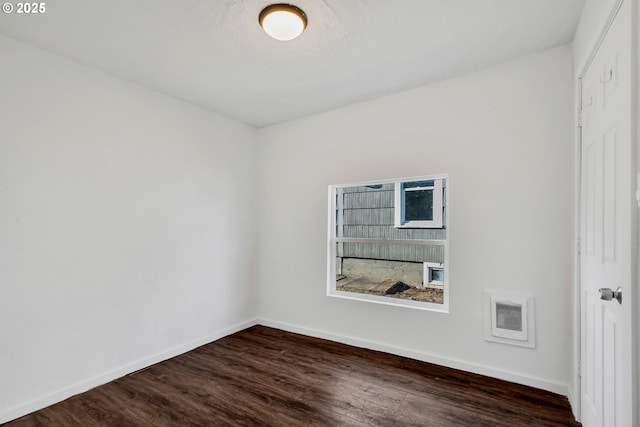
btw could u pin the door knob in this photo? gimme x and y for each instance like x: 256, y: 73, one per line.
x: 607, y: 294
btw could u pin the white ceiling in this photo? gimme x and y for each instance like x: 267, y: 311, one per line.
x: 213, y: 53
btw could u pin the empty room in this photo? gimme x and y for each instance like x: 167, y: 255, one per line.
x: 329, y: 212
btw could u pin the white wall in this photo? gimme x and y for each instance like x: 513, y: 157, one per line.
x: 504, y: 135
x: 127, y: 227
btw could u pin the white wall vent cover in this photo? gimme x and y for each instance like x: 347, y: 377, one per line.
x: 509, y: 319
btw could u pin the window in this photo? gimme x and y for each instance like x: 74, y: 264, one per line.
x: 419, y: 204
x: 372, y: 259
x: 433, y: 274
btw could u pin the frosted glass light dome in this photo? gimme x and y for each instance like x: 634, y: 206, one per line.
x: 283, y: 21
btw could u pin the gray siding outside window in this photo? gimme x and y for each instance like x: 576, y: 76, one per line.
x: 368, y: 213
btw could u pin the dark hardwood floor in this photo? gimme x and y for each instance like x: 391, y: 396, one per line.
x: 267, y: 377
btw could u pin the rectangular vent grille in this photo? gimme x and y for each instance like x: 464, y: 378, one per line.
x: 509, y: 319
x: 509, y: 316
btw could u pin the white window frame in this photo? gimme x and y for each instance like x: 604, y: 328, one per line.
x: 428, y: 269
x: 335, y: 237
x: 438, y: 205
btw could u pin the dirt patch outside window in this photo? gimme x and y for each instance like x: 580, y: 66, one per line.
x: 389, y: 288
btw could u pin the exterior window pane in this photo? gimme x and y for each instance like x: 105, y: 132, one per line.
x: 418, y: 205
x: 388, y: 242
x: 437, y: 275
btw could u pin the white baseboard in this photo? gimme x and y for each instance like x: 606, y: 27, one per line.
x: 514, y: 377
x: 60, y: 395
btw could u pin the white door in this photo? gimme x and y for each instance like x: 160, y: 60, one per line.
x: 608, y: 167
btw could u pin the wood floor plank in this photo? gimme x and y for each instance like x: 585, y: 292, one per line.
x: 266, y: 377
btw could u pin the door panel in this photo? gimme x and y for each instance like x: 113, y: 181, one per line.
x: 609, y: 197
x: 592, y: 339
x: 606, y: 218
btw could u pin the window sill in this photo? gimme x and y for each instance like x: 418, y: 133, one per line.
x: 386, y: 300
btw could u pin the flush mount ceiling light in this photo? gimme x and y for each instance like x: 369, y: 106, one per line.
x: 283, y: 21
